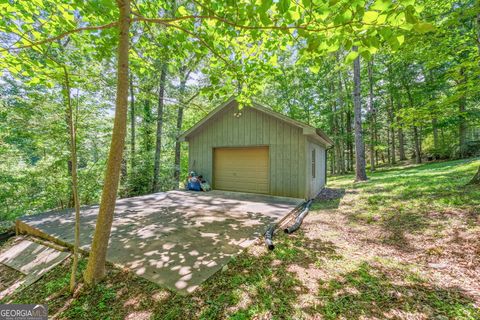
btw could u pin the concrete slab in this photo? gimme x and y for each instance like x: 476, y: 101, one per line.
x: 177, y: 238
x: 31, y: 259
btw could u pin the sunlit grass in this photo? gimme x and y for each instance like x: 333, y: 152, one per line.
x: 316, y: 272
x: 435, y: 187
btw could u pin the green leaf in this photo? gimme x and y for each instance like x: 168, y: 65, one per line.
x: 424, y: 27
x: 370, y: 16
x: 35, y: 80
x: 283, y: 5
x: 266, y: 4
x: 380, y: 5
x: 273, y: 60
x: 295, y: 15
x: 401, y: 39
x: 182, y: 11
x: 306, y: 3
x: 351, y: 56
x: 314, y: 69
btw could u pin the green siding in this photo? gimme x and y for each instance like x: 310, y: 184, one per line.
x: 254, y: 128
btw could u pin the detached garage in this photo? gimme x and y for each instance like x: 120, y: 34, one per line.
x: 255, y: 149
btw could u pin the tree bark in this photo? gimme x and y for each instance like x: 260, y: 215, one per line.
x: 158, y: 145
x: 341, y: 105
x: 147, y: 124
x: 476, y: 178
x: 132, y: 124
x: 462, y: 123
x: 418, y: 153
x: 349, y: 141
x: 73, y: 160
x: 360, y: 172
x: 435, y: 136
x: 95, y: 270
x: 176, y: 173
x: 401, y: 145
x: 391, y: 129
x: 371, y: 110
x: 416, y: 138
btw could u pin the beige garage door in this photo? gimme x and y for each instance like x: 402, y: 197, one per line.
x: 241, y: 169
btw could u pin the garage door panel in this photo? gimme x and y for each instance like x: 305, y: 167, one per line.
x: 241, y: 169
x: 248, y: 176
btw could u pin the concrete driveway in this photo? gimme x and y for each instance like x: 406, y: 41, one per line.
x: 177, y: 239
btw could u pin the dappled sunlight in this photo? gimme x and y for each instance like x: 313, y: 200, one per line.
x: 377, y: 291
x: 32, y: 260
x: 176, y: 239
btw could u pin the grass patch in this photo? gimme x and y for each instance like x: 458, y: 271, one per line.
x: 323, y: 269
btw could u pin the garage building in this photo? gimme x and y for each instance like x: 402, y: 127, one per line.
x: 255, y: 149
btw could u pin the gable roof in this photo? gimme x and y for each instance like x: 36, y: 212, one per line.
x: 308, y: 130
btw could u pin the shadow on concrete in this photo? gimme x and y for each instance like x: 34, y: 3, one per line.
x: 177, y: 238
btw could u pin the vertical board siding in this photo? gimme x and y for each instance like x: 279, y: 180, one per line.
x: 287, y: 144
x: 315, y: 185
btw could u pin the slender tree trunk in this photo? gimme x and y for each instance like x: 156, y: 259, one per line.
x: 462, y: 126
x: 132, y: 125
x: 147, y: 124
x: 349, y: 141
x: 401, y: 145
x: 371, y: 110
x: 430, y: 82
x: 74, y: 175
x: 389, y: 157
x: 476, y: 178
x: 435, y: 136
x: 176, y: 173
x: 416, y: 138
x: 96, y: 262
x: 360, y: 172
x: 158, y: 145
x: 341, y: 104
x: 334, y: 129
x: 391, y: 129
x: 342, y: 144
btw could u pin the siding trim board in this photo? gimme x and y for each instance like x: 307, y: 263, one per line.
x: 287, y: 142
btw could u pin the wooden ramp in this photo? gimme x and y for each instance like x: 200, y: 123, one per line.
x: 31, y: 260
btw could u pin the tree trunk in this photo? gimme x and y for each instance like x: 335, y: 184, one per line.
x: 392, y: 129
x: 349, y: 141
x: 389, y: 157
x: 334, y: 129
x: 341, y: 105
x: 416, y: 138
x: 476, y: 178
x: 74, y: 175
x: 147, y: 124
x: 158, y: 145
x: 401, y: 145
x: 435, y: 136
x: 462, y: 124
x: 96, y: 262
x: 360, y: 172
x: 371, y: 110
x: 132, y: 125
x: 342, y: 144
x: 176, y: 173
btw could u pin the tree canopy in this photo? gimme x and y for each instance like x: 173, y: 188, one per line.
x: 416, y: 79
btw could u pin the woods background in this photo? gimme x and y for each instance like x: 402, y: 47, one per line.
x: 420, y: 100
